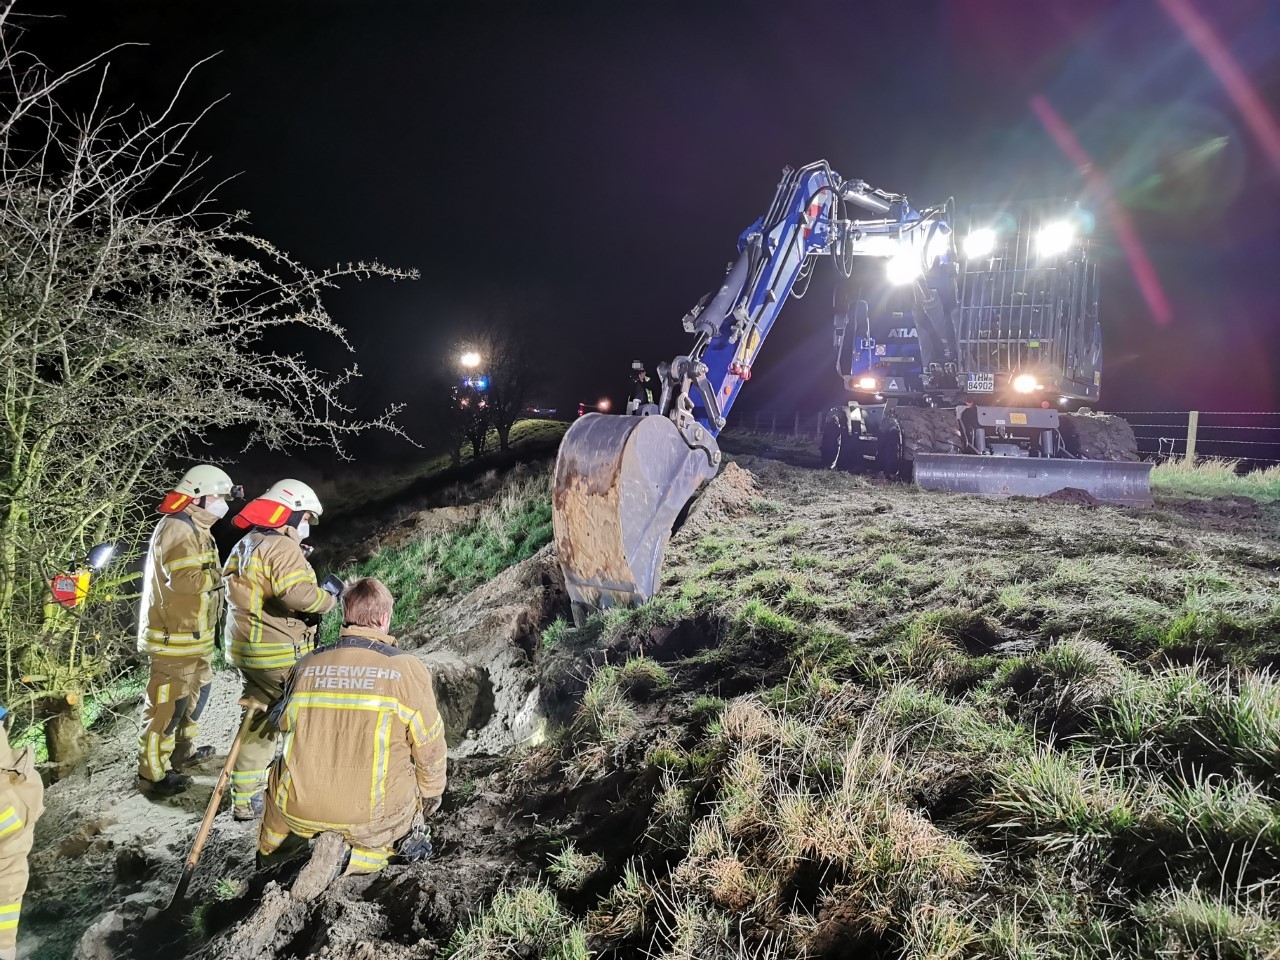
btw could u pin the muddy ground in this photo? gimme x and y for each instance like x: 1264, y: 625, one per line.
x: 105, y: 854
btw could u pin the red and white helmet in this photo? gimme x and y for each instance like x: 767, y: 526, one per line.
x: 273, y: 508
x: 202, y: 480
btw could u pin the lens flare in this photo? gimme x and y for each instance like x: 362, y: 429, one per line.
x: 1242, y: 93
x: 1144, y: 273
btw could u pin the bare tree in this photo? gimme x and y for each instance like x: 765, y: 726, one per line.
x: 512, y: 363
x: 134, y: 319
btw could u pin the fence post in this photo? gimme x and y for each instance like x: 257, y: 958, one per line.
x: 818, y: 432
x: 773, y: 424
x: 1193, y: 422
x: 795, y: 431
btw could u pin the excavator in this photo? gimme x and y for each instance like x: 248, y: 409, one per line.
x: 975, y: 371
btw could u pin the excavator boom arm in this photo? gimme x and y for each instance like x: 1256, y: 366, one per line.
x: 620, y: 482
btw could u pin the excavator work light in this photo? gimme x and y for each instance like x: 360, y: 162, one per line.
x: 1025, y: 383
x: 868, y: 383
x: 1055, y: 238
x: 979, y: 243
x: 903, y: 267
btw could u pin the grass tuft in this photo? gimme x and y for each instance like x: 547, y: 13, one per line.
x: 522, y: 922
x: 570, y: 869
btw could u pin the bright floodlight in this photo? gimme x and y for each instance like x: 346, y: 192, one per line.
x: 868, y: 383
x: 1025, y: 383
x: 470, y: 359
x: 903, y: 267
x: 100, y: 556
x: 1055, y: 238
x: 979, y: 243
x: 603, y: 405
x: 939, y: 245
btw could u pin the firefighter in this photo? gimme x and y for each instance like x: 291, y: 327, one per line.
x: 21, y: 803
x: 274, y: 608
x: 365, y: 762
x: 641, y: 389
x: 177, y: 626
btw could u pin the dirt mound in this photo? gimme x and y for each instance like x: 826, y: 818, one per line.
x: 727, y: 497
x: 482, y: 650
x: 1073, y: 495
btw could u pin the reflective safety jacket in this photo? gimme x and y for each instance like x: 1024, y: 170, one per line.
x: 181, y: 587
x: 270, y: 588
x: 363, y: 740
x: 21, y: 803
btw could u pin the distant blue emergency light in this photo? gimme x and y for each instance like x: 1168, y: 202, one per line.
x: 476, y: 383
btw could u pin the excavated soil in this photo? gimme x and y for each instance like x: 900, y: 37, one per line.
x: 727, y: 497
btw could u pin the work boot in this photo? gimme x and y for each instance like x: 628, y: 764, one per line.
x: 416, y: 844
x: 248, y: 811
x: 173, y: 784
x: 195, y: 756
x: 329, y: 854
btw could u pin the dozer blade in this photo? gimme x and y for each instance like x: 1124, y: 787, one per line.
x: 620, y: 483
x: 1108, y: 481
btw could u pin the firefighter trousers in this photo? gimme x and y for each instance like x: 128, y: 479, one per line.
x: 258, y: 748
x: 283, y: 836
x: 21, y: 803
x: 177, y: 692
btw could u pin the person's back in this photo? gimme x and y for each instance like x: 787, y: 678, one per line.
x: 352, y: 719
x: 364, y: 750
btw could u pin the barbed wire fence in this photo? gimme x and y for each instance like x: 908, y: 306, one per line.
x: 1251, y: 437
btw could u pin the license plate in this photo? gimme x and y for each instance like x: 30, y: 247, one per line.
x: 981, y: 383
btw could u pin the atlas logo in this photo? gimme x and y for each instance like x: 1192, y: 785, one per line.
x: 902, y: 333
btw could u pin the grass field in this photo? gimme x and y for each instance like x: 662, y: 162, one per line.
x: 935, y: 726
x: 1216, y: 478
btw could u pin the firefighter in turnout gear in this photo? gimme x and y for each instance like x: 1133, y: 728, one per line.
x: 21, y: 803
x: 177, y: 626
x: 364, y: 756
x: 274, y: 608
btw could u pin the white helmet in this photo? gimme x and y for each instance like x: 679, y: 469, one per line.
x: 205, y: 480
x: 295, y: 495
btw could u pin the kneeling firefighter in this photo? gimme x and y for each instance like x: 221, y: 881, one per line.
x: 364, y: 756
x: 21, y: 803
x: 274, y: 609
x: 177, y: 625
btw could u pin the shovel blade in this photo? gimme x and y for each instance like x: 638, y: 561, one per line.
x: 1118, y: 482
x: 620, y: 483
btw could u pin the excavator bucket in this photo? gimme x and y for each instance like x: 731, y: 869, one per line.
x: 620, y: 483
x: 1119, y: 482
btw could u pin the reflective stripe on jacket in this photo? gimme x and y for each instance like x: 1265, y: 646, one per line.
x: 21, y: 790
x: 181, y: 588
x: 363, y: 740
x: 269, y: 583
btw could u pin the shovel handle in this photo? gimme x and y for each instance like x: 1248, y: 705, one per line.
x: 251, y: 707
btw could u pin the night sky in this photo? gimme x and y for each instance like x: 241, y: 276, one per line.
x: 587, y: 168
